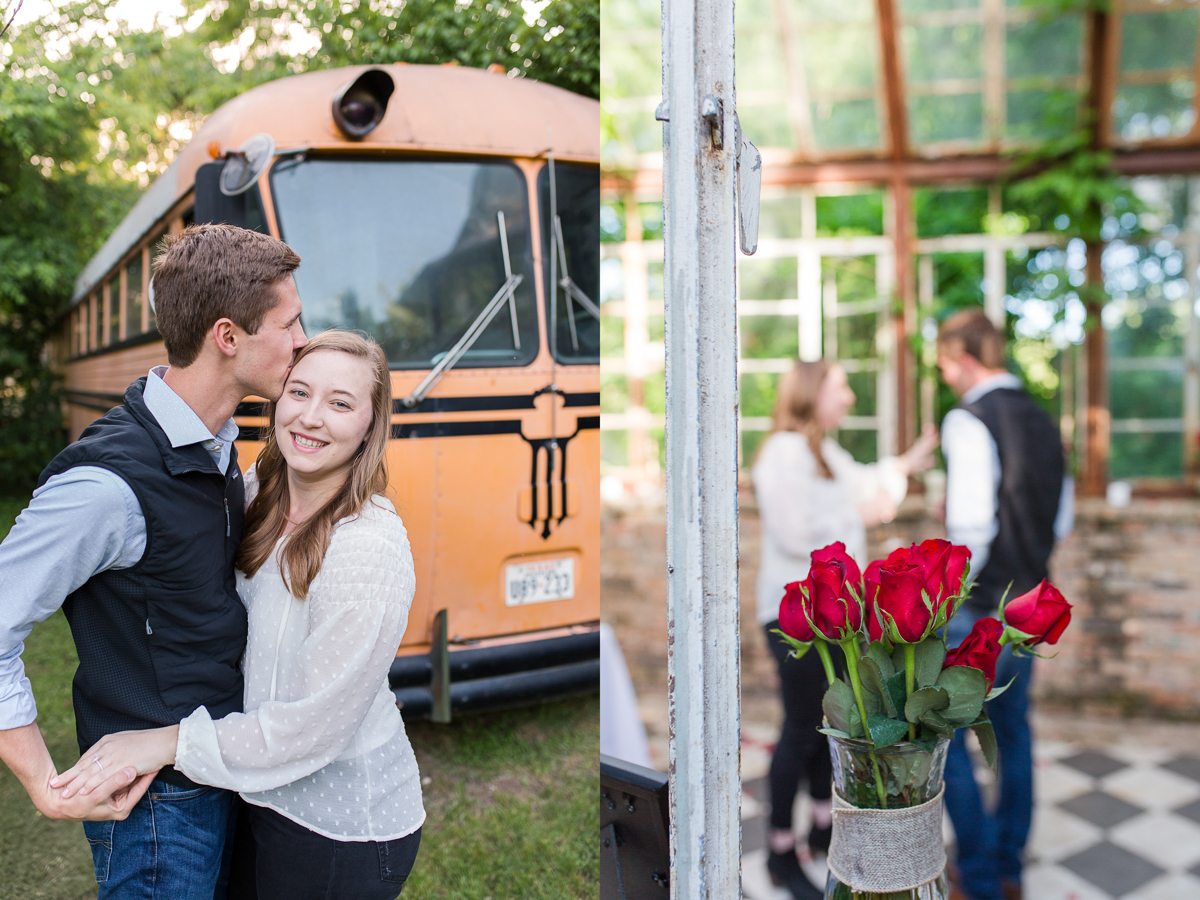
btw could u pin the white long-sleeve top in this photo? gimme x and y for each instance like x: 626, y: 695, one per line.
x: 802, y: 512
x: 321, y: 740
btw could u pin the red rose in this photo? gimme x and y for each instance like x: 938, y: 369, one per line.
x: 837, y: 551
x: 979, y: 650
x: 932, y: 556
x: 833, y: 610
x: 1043, y: 613
x: 871, y: 592
x: 956, y: 568
x: 792, y: 620
x: 900, y: 600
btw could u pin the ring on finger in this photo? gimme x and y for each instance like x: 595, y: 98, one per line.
x: 96, y: 760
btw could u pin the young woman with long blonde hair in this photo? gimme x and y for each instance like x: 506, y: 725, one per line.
x: 811, y: 493
x: 320, y: 755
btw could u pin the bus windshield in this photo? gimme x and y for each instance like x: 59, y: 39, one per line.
x: 409, y: 251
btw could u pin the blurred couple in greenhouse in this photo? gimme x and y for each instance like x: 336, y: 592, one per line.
x: 1007, y: 501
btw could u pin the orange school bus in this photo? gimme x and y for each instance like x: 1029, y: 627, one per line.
x: 453, y: 215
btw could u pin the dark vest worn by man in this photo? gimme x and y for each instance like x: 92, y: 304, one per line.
x: 1031, y: 478
x: 164, y: 636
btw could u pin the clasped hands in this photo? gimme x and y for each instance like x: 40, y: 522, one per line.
x: 112, y: 776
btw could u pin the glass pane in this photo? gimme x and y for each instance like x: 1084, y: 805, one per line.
x: 852, y: 214
x: 955, y: 117
x: 757, y: 396
x: 759, y: 58
x: 751, y: 441
x: 1145, y: 111
x: 1143, y: 331
x: 935, y: 53
x: 573, y: 319
x: 837, y: 59
x: 133, y: 309
x: 949, y: 212
x: 770, y: 337
x: 768, y: 279
x: 854, y: 277
x: 861, y: 444
x: 156, y: 248
x: 654, y: 280
x: 612, y: 336
x: 779, y: 217
x: 614, y: 393
x: 612, y: 222
x: 850, y: 123
x: 635, y: 63
x: 410, y: 252
x: 96, y: 322
x: 656, y: 328
x: 1145, y: 395
x: 113, y: 323
x: 813, y: 11
x: 1155, y: 455
x: 652, y: 222
x: 654, y: 393
x: 1040, y: 114
x: 614, y: 448
x: 958, y: 278
x: 856, y: 336
x: 865, y: 387
x: 1159, y: 40
x: 767, y: 126
x: 1044, y: 47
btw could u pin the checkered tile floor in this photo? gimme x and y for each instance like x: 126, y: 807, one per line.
x: 1116, y: 822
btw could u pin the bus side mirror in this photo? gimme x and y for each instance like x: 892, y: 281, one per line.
x: 214, y: 207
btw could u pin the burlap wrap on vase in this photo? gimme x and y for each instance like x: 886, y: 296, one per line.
x: 884, y: 850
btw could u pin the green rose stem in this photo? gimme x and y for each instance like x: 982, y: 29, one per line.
x: 850, y: 649
x: 823, y: 652
x: 910, y: 665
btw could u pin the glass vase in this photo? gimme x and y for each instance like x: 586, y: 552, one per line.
x: 909, y: 776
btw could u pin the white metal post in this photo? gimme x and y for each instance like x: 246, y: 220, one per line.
x: 700, y: 143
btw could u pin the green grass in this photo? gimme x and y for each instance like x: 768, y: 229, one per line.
x: 509, y: 796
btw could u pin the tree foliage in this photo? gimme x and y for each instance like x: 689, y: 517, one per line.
x: 91, y: 109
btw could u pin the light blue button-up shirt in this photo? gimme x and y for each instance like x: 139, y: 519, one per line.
x: 79, y: 523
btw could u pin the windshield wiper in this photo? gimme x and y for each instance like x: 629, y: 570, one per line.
x: 574, y: 293
x: 455, y: 353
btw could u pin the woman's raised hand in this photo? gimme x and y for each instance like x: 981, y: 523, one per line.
x: 142, y: 751
x: 920, y: 455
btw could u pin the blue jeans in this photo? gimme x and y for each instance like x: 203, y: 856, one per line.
x: 171, y: 847
x: 991, y: 844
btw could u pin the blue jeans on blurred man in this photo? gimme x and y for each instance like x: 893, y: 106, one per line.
x: 991, y: 844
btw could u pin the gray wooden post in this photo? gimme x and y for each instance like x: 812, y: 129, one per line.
x: 701, y: 142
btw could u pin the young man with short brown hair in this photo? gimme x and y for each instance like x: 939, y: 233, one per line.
x: 132, y: 531
x: 1004, y: 493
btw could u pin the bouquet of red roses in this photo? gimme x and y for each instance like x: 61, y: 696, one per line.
x: 901, y: 683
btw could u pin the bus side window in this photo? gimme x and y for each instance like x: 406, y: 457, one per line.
x: 134, y: 298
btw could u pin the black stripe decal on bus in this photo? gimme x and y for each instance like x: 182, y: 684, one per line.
x: 256, y: 409
x: 455, y: 429
x: 592, y: 399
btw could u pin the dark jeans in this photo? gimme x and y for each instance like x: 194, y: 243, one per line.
x: 802, y: 751
x: 991, y: 844
x: 277, y: 859
x: 171, y: 846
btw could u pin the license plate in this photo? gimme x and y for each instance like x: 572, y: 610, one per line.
x: 539, y: 582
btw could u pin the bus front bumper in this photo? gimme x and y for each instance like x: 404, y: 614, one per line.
x: 501, y: 676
